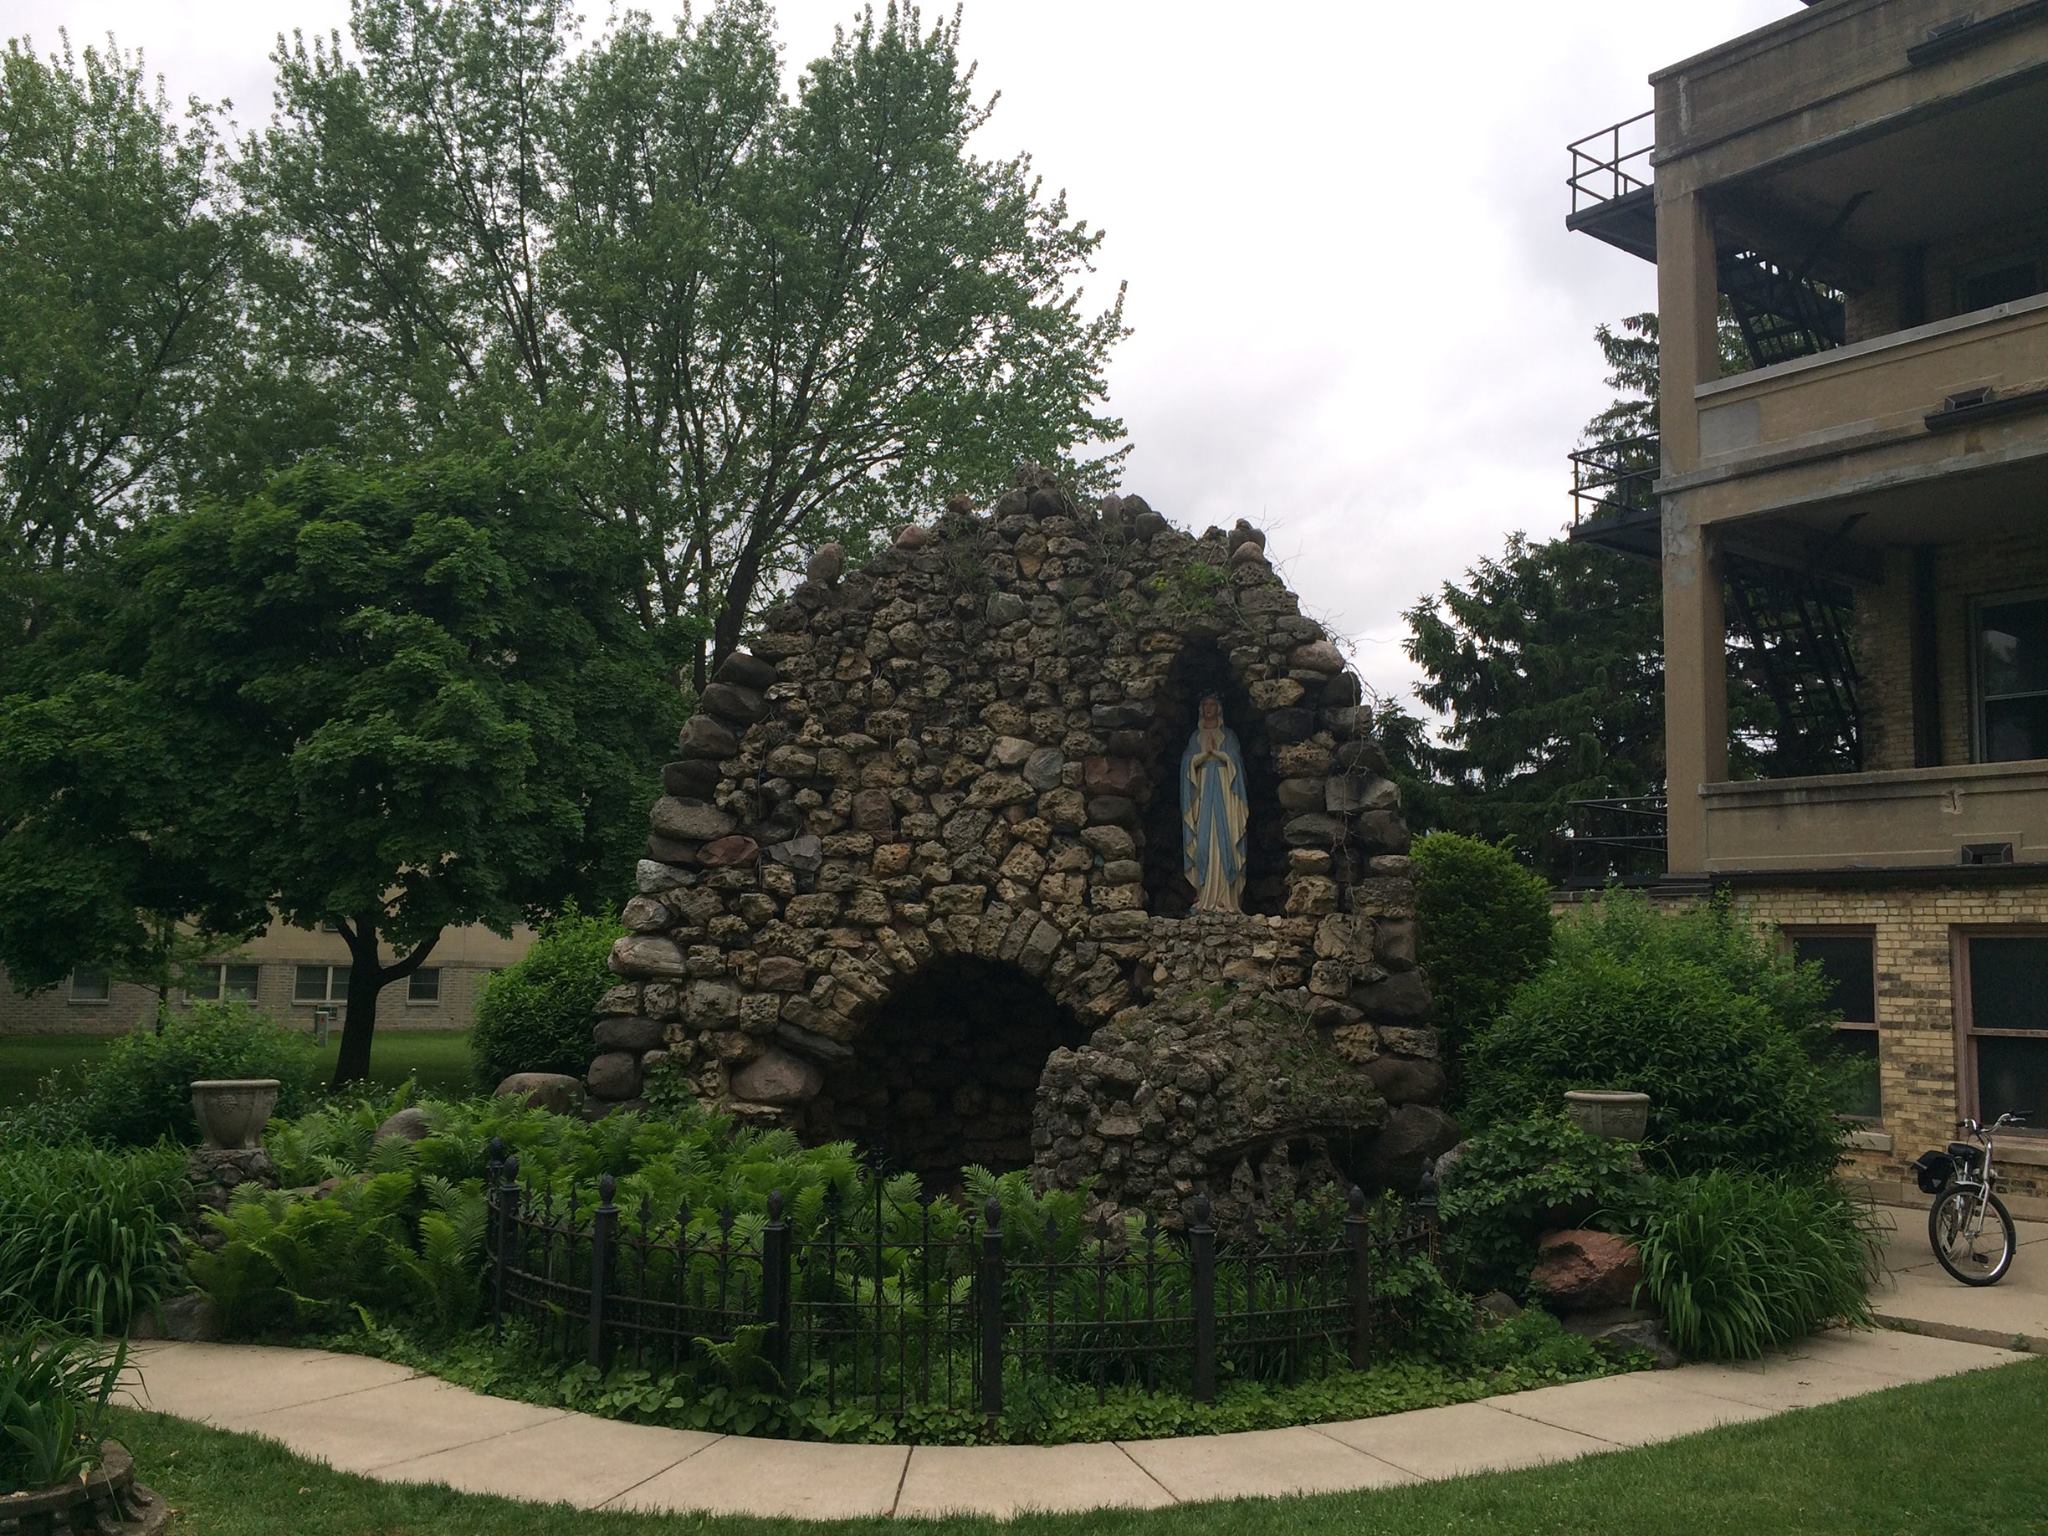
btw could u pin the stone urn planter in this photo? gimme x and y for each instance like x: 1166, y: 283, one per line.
x: 108, y: 1502
x: 233, y: 1111
x: 1610, y: 1115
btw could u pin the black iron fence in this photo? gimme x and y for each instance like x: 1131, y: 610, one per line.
x: 894, y: 1305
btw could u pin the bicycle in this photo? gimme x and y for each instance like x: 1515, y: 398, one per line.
x: 1962, y: 1182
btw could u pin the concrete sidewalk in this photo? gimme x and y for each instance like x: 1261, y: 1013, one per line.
x: 1920, y: 1297
x: 389, y: 1423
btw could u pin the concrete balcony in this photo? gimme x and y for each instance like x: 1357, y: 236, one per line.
x: 1905, y: 818
x: 1960, y: 394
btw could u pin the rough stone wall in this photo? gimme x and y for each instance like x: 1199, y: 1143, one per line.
x: 961, y: 750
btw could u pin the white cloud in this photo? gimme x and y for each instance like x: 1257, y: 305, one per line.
x: 1360, y: 321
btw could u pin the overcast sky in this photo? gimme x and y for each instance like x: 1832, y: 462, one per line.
x: 1359, y: 320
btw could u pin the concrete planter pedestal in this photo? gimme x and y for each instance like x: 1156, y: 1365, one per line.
x: 232, y: 1111
x: 1610, y: 1115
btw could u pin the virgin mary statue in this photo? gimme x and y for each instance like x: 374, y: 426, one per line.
x: 1213, y: 811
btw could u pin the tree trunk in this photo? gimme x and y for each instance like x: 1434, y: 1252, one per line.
x: 365, y: 981
x: 366, y: 978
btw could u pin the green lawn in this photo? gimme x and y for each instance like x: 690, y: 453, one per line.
x: 438, y: 1057
x: 26, y: 1059
x: 1959, y: 1456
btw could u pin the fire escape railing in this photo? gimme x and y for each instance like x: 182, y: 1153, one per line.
x: 1614, y: 477
x: 1621, y: 839
x: 1612, y: 162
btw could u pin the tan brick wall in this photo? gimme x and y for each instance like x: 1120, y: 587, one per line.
x: 1884, y: 655
x: 1879, y: 309
x: 1883, y: 627
x: 465, y: 957
x: 1915, y: 929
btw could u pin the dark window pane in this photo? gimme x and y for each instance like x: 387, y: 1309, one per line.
x: 1855, y: 1064
x: 206, y: 984
x: 2012, y: 1074
x: 424, y: 985
x: 2015, y: 730
x: 309, y: 984
x: 2012, y: 647
x: 241, y: 982
x: 2009, y: 982
x: 2001, y: 285
x: 1851, y: 966
x: 90, y: 987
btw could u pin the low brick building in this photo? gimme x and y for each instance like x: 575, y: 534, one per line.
x: 288, y: 973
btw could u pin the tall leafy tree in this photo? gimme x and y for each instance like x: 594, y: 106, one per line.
x: 1546, y: 664
x: 390, y: 702
x: 747, y: 323
x: 119, y: 237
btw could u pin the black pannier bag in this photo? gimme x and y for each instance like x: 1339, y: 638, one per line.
x: 1934, y: 1170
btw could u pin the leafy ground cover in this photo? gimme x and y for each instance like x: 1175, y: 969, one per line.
x: 1868, y: 1465
x: 438, y: 1058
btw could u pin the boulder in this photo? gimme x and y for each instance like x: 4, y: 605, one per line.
x: 1579, y: 1270
x: 706, y: 737
x: 1405, y: 1081
x: 745, y: 671
x: 689, y: 821
x: 1411, y: 1140
x: 406, y: 1125
x: 777, y: 1077
x: 728, y: 852
x: 556, y: 1092
x: 1624, y: 1328
x: 614, y: 1075
x: 827, y: 564
x: 187, y: 1319
x: 635, y: 1034
x: 732, y: 703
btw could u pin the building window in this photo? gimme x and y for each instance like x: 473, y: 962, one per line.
x: 90, y: 986
x: 1998, y: 282
x: 2009, y: 638
x: 320, y: 984
x: 2004, y: 1016
x: 424, y: 985
x: 1848, y: 958
x: 211, y: 983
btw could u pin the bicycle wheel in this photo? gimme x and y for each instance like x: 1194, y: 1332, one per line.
x: 1974, y: 1245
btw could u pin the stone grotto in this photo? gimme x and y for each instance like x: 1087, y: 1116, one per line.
x: 917, y: 881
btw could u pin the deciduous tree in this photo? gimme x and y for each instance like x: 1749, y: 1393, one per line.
x: 388, y: 701
x: 749, y: 323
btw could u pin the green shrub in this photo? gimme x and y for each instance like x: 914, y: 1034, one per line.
x: 536, y: 1013
x: 1485, y: 926
x: 1692, y: 1009
x: 54, y: 1390
x: 88, y: 1236
x: 1740, y: 1262
x: 1517, y: 1180
x: 140, y: 1088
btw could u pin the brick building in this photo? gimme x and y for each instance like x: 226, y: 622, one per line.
x: 1863, y: 188
x: 288, y: 973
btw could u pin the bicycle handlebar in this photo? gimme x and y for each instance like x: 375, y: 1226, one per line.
x: 2010, y: 1117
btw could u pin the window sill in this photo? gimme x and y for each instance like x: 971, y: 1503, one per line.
x: 1869, y: 1141
x: 2033, y: 1151
x: 87, y: 1002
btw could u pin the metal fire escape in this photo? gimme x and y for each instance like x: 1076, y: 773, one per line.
x: 1789, y: 624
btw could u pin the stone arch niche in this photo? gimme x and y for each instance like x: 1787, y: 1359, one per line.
x: 1200, y: 668
x: 950, y: 765
x: 946, y: 1070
